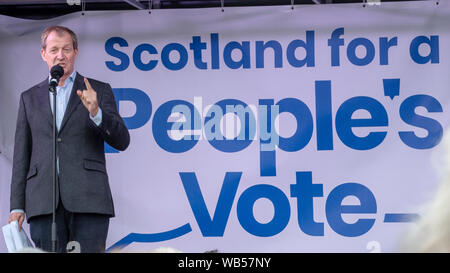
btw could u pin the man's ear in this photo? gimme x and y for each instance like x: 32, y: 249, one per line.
x: 43, y: 54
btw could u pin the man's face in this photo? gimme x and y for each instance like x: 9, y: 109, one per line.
x: 59, y: 50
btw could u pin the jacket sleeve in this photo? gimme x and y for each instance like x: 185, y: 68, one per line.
x: 21, y: 158
x: 112, y: 127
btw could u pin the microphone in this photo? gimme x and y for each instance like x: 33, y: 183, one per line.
x: 55, y: 74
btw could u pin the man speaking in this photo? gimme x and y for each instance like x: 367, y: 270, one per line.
x: 86, y: 117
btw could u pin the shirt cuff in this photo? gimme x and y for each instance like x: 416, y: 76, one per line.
x: 17, y: 210
x: 98, y: 118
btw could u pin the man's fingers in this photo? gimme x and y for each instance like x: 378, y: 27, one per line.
x: 20, y: 221
x: 17, y: 216
x: 88, y: 85
x: 80, y: 94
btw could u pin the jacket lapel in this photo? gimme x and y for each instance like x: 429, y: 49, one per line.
x: 74, y: 100
x: 44, y: 101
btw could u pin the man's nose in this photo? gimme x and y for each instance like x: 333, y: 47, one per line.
x: 60, y: 55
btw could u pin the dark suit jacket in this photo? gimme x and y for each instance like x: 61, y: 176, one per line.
x: 83, y: 182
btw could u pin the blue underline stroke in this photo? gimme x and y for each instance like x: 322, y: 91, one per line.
x: 150, y: 237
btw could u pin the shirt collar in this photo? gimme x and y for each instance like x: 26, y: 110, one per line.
x: 71, y: 77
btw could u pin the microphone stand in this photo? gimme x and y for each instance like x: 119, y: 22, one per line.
x: 52, y: 89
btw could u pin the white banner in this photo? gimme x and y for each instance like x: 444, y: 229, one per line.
x: 258, y: 129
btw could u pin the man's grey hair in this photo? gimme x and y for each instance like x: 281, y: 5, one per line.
x: 60, y: 30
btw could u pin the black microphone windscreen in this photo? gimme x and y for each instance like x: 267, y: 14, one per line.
x: 57, y: 71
